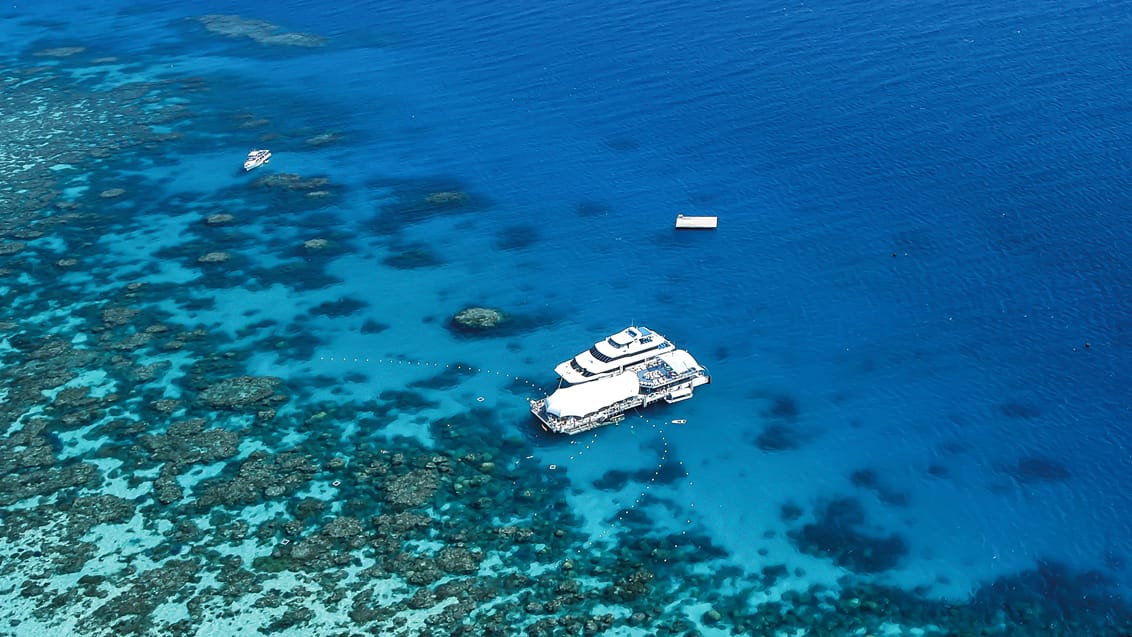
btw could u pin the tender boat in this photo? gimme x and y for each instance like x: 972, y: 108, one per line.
x: 257, y: 158
x: 612, y: 354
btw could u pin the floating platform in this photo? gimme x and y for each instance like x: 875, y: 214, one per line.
x: 685, y: 222
x: 671, y: 377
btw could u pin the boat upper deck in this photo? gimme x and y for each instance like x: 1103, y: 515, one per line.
x: 665, y: 369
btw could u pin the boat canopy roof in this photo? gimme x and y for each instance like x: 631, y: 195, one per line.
x: 679, y: 360
x: 584, y: 399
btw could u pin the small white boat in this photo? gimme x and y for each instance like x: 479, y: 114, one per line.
x: 257, y: 158
x: 679, y: 421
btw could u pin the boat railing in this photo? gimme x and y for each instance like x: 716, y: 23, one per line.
x: 575, y: 424
x: 654, y: 379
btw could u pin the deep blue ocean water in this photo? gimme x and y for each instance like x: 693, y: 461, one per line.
x: 917, y: 301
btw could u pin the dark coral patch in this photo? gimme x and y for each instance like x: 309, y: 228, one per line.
x: 837, y: 534
x: 397, y: 400
x: 451, y: 376
x: 622, y: 144
x: 591, y: 209
x: 1033, y: 469
x: 615, y: 479
x: 370, y: 326
x: 864, y: 478
x: 1050, y: 593
x: 779, y: 438
x: 413, y: 257
x: 783, y: 407
x: 778, y: 405
x: 338, y: 308
x: 412, y: 202
x: 516, y: 237
x: 293, y: 192
x: 1020, y: 411
x: 790, y: 512
x: 773, y: 573
x: 868, y: 479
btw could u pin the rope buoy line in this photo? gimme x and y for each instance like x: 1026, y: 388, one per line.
x: 613, y: 525
x: 648, y: 486
x: 420, y: 363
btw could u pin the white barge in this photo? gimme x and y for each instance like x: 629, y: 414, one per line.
x: 685, y: 222
x: 671, y: 376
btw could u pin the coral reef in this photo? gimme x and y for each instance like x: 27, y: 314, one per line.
x: 214, y: 257
x: 478, y: 318
x: 154, y: 481
x: 1034, y: 469
x: 243, y: 393
x: 838, y: 534
x: 448, y: 198
x: 413, y: 257
x: 259, y: 31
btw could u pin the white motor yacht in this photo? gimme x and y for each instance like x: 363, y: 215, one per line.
x: 612, y: 354
x: 257, y: 158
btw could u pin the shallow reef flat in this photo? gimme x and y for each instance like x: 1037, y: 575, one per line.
x: 154, y: 481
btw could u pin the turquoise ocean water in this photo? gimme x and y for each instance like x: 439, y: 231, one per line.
x: 236, y: 402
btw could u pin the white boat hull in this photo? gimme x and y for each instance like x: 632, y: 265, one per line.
x: 257, y: 158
